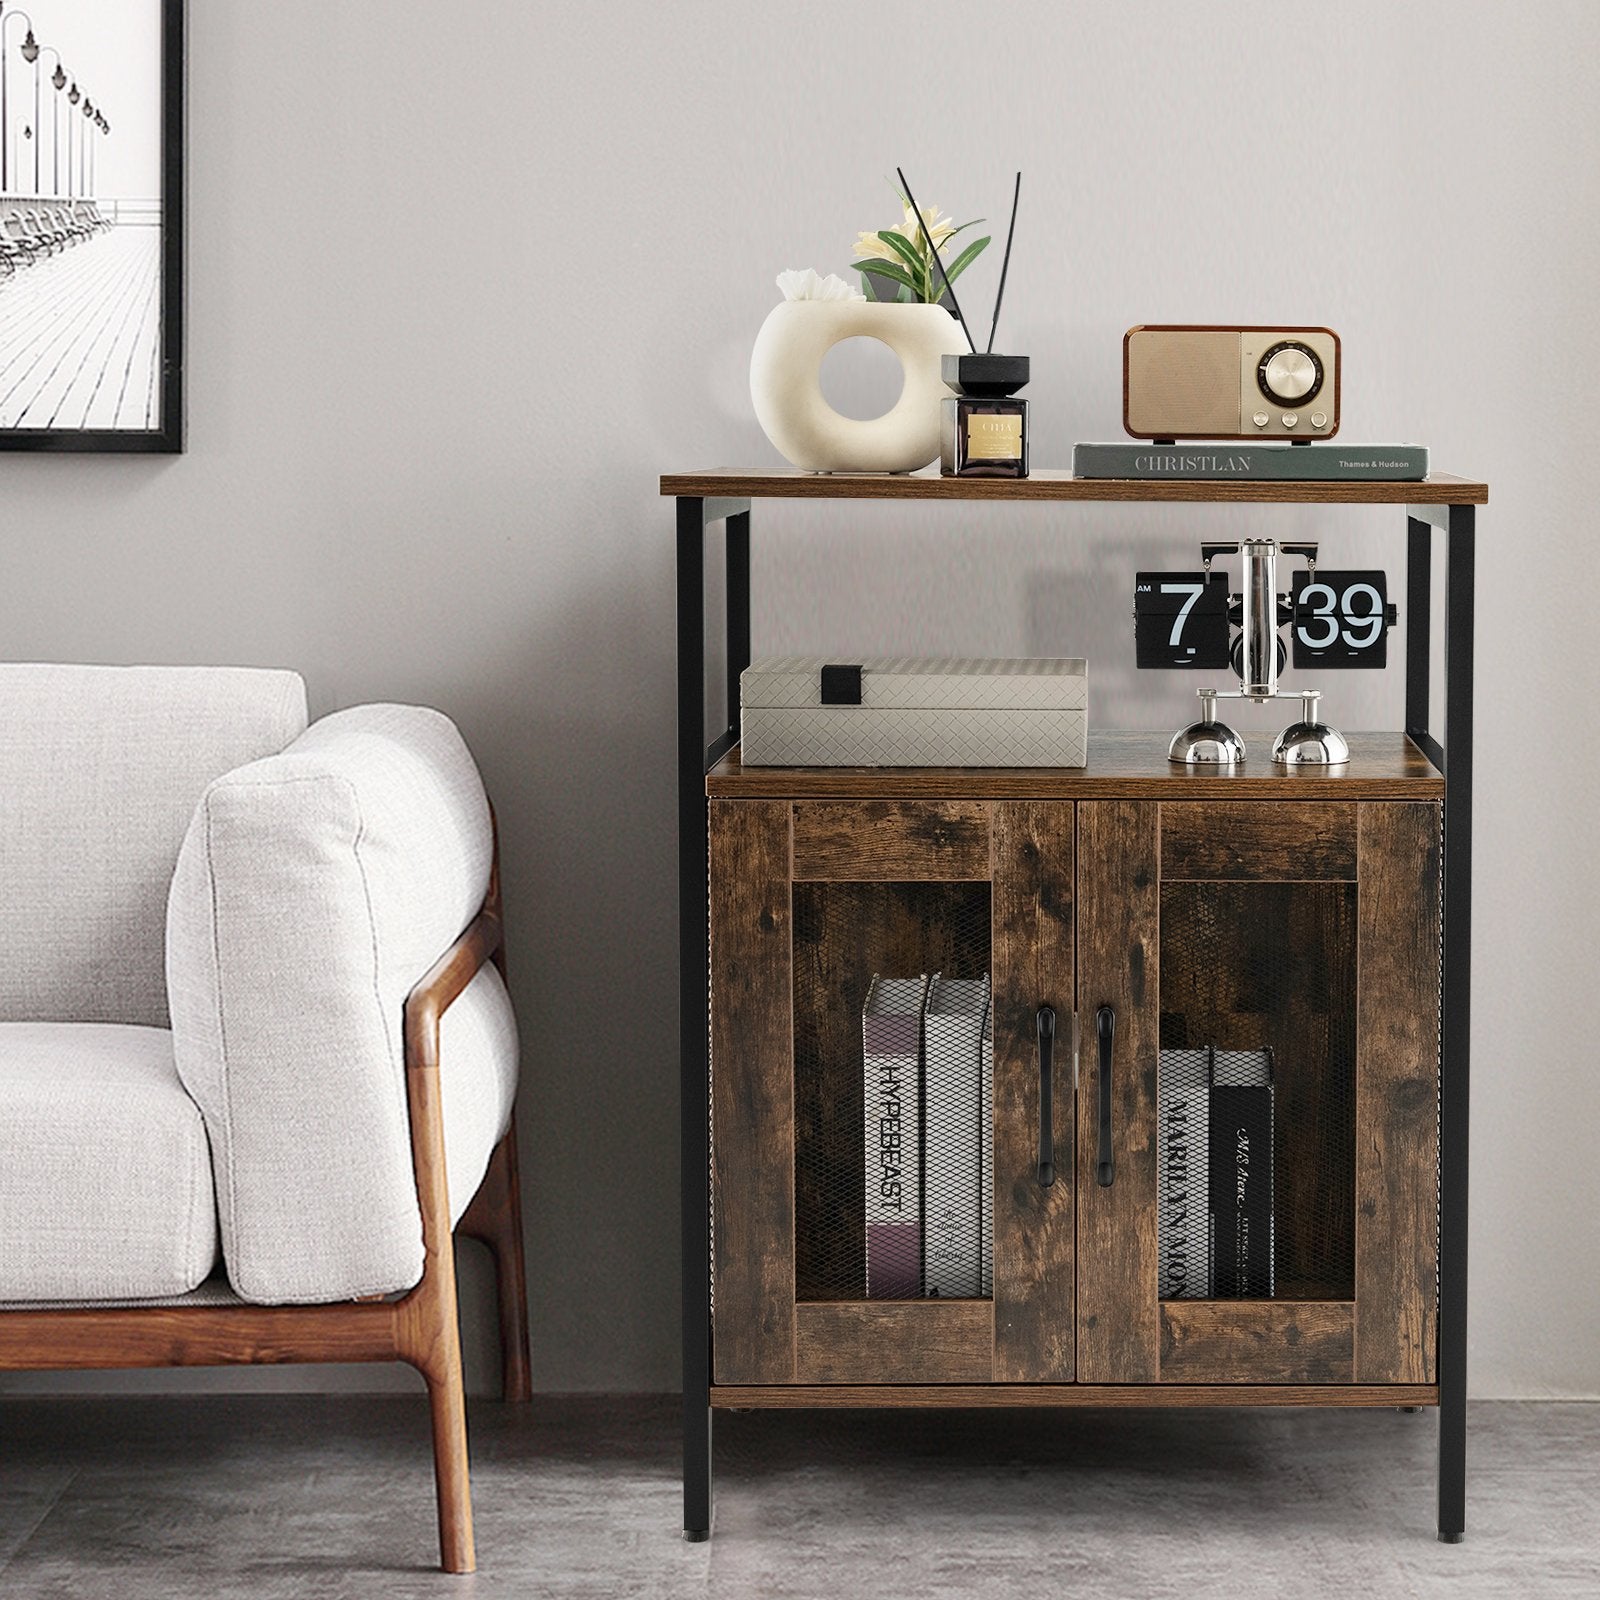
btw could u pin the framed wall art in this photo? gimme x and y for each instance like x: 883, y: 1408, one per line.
x: 91, y: 225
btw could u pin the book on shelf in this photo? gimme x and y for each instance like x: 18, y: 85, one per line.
x: 1183, y: 1223
x: 1247, y: 461
x: 952, y: 1133
x: 891, y: 1037
x: 1241, y: 1175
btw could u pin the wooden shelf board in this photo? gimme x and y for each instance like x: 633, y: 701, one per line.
x: 1438, y: 488
x: 1122, y: 766
x: 1122, y: 1396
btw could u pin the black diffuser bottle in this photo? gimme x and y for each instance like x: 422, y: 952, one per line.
x: 984, y: 432
x: 984, y: 428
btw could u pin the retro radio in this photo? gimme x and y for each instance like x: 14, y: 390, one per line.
x: 1186, y: 382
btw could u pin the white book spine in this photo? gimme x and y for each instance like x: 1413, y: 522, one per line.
x: 953, y: 1145
x: 1183, y: 1125
x: 986, y: 1112
x: 891, y: 1032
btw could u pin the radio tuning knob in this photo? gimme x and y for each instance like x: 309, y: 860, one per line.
x: 1289, y: 372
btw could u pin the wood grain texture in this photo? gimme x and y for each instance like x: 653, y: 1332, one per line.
x: 196, y: 1336
x: 1257, y: 1341
x: 1118, y: 918
x: 1397, y: 1127
x: 1254, y: 842
x: 752, y: 1116
x: 1034, y: 1226
x: 894, y: 1341
x: 1438, y: 488
x: 427, y: 1324
x: 1121, y: 766
x: 892, y: 840
x: 1128, y: 1396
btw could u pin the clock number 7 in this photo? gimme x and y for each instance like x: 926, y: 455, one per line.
x: 1194, y: 591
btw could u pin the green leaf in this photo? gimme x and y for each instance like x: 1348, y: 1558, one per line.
x: 962, y: 229
x: 888, y: 269
x: 867, y: 287
x: 965, y: 259
x: 903, y: 248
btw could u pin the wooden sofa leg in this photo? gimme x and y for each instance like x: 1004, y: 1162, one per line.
x: 447, y: 1402
x: 429, y: 1338
x: 495, y: 1217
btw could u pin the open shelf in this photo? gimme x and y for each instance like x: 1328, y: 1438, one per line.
x: 1121, y: 766
x: 1438, y: 488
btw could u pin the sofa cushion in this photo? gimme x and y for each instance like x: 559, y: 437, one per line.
x: 103, y: 767
x: 105, y: 1176
x: 313, y: 891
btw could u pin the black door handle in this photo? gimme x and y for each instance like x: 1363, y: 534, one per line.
x: 1045, y: 1021
x: 1105, y: 1027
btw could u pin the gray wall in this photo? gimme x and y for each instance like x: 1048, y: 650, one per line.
x: 465, y: 279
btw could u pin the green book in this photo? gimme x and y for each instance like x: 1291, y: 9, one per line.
x: 1391, y: 463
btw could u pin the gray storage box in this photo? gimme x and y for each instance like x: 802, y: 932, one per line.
x: 901, y: 712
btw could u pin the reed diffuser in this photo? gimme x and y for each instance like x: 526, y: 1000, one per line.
x: 984, y: 426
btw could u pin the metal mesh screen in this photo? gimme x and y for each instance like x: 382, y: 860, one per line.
x: 1256, y: 1091
x: 892, y: 1089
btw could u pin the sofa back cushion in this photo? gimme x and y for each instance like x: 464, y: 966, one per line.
x: 314, y: 891
x: 100, y: 771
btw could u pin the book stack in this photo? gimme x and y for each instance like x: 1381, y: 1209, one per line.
x: 928, y: 1053
x: 1332, y: 463
x: 1214, y: 1155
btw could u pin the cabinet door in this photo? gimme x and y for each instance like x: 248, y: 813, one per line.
x: 1269, y: 1112
x: 810, y: 902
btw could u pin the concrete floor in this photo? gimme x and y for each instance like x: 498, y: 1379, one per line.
x: 287, y: 1496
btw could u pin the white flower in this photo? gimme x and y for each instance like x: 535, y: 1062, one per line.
x: 806, y: 285
x: 869, y: 247
x: 939, y: 228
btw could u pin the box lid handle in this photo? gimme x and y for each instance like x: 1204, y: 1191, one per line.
x: 841, y: 686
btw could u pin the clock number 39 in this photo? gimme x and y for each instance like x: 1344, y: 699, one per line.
x: 1360, y: 609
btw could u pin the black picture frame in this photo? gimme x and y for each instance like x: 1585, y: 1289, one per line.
x: 170, y: 437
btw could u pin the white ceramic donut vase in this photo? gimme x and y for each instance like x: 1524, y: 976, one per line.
x: 785, y: 384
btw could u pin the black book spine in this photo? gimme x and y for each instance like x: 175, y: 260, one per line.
x: 1241, y: 1191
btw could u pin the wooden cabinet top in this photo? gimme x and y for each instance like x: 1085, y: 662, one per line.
x: 1121, y: 766
x: 1438, y: 488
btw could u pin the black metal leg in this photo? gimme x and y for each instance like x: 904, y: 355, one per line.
x: 1455, y: 1066
x: 738, y: 604
x: 693, y: 1045
x: 1418, y: 622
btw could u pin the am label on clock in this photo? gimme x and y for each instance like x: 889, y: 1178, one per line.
x: 1180, y: 619
x: 1341, y: 619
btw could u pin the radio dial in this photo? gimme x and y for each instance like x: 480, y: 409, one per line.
x: 1289, y: 373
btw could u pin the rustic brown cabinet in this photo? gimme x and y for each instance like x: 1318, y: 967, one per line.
x: 1307, y: 927
x: 1134, y: 915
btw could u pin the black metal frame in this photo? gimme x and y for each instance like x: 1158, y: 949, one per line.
x: 696, y: 757
x: 169, y: 438
x: 1453, y: 757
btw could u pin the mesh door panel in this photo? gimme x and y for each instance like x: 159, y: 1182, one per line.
x: 1271, y: 967
x: 845, y: 935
